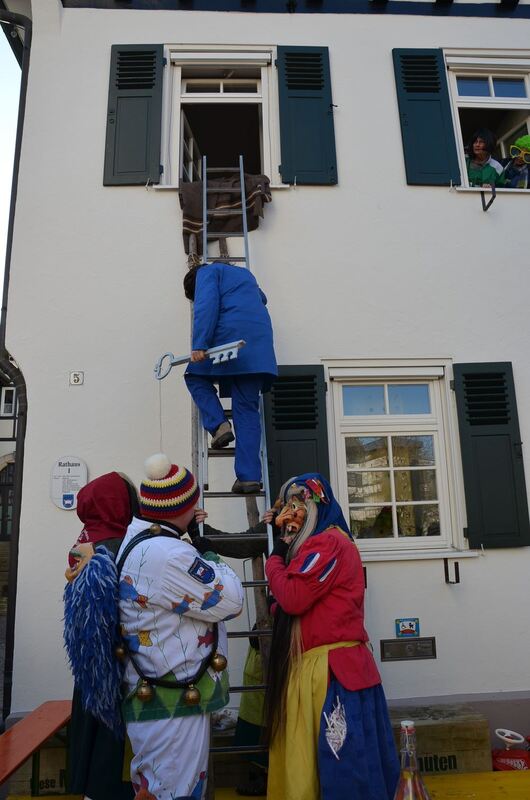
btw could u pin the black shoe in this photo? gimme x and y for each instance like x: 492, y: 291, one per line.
x: 246, y: 487
x: 222, y: 436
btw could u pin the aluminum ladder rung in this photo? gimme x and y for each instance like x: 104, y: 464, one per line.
x: 243, y: 748
x: 225, y: 452
x: 249, y: 584
x: 247, y: 634
x: 239, y: 259
x: 239, y: 537
x: 207, y: 493
x: 235, y: 235
x: 232, y: 213
x: 222, y: 169
x: 220, y: 190
x: 257, y: 687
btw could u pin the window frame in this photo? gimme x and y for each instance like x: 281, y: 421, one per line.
x: 173, y: 100
x: 474, y: 64
x: 441, y: 423
x: 8, y: 414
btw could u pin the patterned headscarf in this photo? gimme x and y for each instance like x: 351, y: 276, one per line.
x: 323, y: 510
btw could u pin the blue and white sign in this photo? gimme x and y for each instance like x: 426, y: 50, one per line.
x: 407, y: 627
x: 69, y: 475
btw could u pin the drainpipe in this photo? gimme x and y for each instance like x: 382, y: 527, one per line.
x: 10, y: 370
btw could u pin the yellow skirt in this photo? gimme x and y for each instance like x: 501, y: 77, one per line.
x: 293, y: 755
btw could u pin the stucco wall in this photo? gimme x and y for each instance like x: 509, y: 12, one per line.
x: 369, y: 268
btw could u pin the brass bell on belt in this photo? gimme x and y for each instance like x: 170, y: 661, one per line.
x: 192, y: 696
x: 120, y: 652
x: 219, y: 662
x: 145, y: 692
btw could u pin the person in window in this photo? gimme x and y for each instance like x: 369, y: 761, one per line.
x: 517, y: 167
x: 329, y: 731
x: 482, y: 168
x: 228, y: 306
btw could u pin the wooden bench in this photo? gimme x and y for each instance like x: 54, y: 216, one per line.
x: 26, y: 736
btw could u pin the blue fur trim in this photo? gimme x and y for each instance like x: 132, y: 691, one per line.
x: 91, y: 617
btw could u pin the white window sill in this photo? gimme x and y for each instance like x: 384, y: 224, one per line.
x: 417, y: 555
x: 174, y: 187
x: 478, y: 189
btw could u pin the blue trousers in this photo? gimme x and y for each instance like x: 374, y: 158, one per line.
x: 244, y: 391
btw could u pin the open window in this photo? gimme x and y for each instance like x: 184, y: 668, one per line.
x: 493, y: 93
x: 221, y: 102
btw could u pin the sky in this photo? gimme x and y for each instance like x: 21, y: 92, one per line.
x: 9, y: 89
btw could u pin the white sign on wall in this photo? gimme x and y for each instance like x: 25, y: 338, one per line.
x: 69, y: 475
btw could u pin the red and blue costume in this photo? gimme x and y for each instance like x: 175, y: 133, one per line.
x: 335, y: 741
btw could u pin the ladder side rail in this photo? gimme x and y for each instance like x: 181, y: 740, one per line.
x: 204, y: 211
x: 265, y: 469
x: 244, y: 210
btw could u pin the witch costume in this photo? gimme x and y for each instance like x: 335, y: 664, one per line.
x: 331, y: 737
x: 105, y: 506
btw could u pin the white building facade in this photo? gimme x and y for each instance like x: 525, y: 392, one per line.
x: 400, y: 306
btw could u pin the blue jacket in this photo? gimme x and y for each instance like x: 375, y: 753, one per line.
x: 229, y: 305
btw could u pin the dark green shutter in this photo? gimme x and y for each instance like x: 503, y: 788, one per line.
x: 134, y: 118
x: 295, y: 424
x: 427, y: 130
x: 492, y: 459
x: 307, y: 133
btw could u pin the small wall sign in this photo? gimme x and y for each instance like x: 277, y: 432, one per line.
x: 69, y: 474
x: 407, y: 627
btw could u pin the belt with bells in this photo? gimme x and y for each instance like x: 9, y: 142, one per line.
x: 215, y: 660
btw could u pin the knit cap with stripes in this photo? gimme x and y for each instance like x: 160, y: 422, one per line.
x: 168, y: 490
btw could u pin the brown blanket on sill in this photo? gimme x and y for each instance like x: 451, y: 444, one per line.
x: 226, y: 205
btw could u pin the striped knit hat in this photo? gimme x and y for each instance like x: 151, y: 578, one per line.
x: 168, y: 490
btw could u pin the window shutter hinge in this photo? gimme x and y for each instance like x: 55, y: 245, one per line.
x: 160, y: 169
x: 325, y: 386
x: 452, y: 385
x: 466, y: 533
x: 275, y: 62
x: 164, y: 62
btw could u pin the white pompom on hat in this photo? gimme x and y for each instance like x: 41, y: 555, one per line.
x: 157, y: 467
x: 168, y: 490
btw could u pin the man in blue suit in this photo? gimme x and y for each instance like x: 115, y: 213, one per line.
x: 229, y: 305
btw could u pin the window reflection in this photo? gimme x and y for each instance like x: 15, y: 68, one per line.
x: 372, y: 523
x: 363, y: 400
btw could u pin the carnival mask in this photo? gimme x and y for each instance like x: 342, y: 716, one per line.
x: 81, y: 553
x: 292, y: 516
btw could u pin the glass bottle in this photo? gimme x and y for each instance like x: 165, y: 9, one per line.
x: 410, y: 785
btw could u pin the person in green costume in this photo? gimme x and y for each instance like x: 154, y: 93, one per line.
x: 482, y: 168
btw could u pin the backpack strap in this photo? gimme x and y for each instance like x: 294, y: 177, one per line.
x: 152, y: 532
x: 148, y: 533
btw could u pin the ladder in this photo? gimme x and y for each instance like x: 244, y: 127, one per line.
x: 201, y: 453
